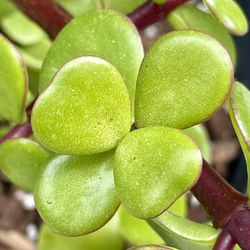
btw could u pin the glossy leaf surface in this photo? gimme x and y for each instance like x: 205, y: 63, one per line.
x: 239, y: 110
x: 86, y: 109
x: 123, y: 6
x: 107, y: 238
x: 21, y: 29
x: 184, y: 234
x: 190, y: 17
x: 21, y: 160
x: 229, y: 13
x: 145, y: 169
x: 13, y: 82
x: 200, y: 135
x: 76, y: 195
x: 184, y: 78
x: 106, y: 34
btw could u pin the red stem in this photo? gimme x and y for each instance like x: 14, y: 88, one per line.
x: 218, y: 198
x: 50, y: 16
x: 225, y: 241
x: 151, y: 12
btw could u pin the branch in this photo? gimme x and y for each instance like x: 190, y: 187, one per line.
x: 225, y: 241
x: 50, y: 16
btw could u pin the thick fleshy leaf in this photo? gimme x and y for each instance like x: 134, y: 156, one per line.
x: 34, y: 55
x: 106, y: 34
x: 229, y: 13
x: 239, y: 110
x: 21, y: 29
x: 123, y: 6
x: 107, y: 238
x: 76, y: 195
x: 13, y: 82
x: 78, y: 7
x: 200, y: 135
x: 6, y: 8
x: 137, y: 231
x: 145, y: 169
x: 184, y: 78
x: 86, y: 109
x: 183, y: 233
x: 190, y: 17
x: 152, y: 247
x: 21, y: 160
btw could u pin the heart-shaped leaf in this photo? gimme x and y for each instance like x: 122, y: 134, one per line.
x: 229, y: 13
x: 107, y: 238
x: 184, y: 234
x: 184, y: 78
x: 146, y: 164
x: 200, y: 135
x: 239, y: 110
x: 21, y: 29
x: 13, y: 82
x: 152, y: 247
x: 86, y: 109
x: 21, y: 160
x: 190, y: 17
x: 106, y: 34
x: 76, y: 195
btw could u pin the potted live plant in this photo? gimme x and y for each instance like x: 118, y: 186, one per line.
x: 94, y: 123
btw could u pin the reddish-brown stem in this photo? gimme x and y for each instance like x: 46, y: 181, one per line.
x: 218, y: 198
x: 225, y: 241
x: 50, y: 16
x: 151, y: 12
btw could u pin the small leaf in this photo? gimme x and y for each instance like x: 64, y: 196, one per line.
x: 239, y: 110
x: 183, y: 233
x: 190, y: 17
x: 184, y: 78
x: 137, y: 231
x: 107, y: 238
x: 145, y: 169
x: 200, y: 135
x: 13, y: 82
x: 21, y: 29
x: 76, y: 195
x: 86, y: 109
x: 106, y: 34
x: 229, y: 13
x: 21, y: 160
x: 152, y: 247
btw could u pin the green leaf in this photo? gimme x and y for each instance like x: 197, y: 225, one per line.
x: 76, y: 195
x: 86, y: 109
x: 13, y: 82
x: 21, y: 160
x: 152, y: 247
x: 200, y: 135
x: 78, y: 7
x: 185, y: 77
x: 230, y: 14
x: 137, y: 231
x: 145, y: 169
x: 105, y: 34
x: 183, y: 233
x: 107, y: 238
x: 6, y: 8
x: 179, y: 207
x: 124, y: 6
x: 21, y: 29
x: 34, y: 55
x: 239, y: 110
x: 190, y: 17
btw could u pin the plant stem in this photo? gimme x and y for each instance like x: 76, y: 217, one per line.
x: 50, y: 16
x: 150, y: 12
x: 219, y: 199
x: 225, y: 241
